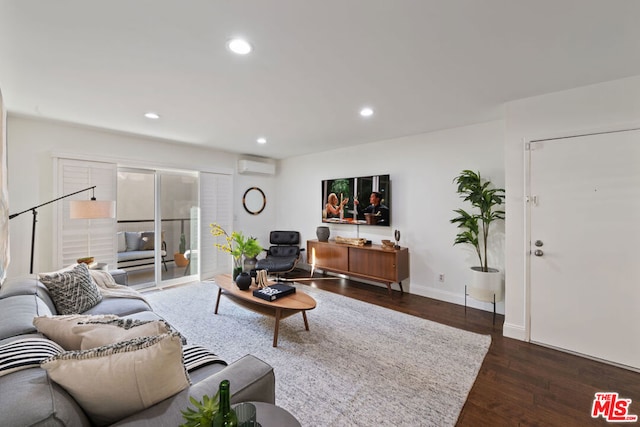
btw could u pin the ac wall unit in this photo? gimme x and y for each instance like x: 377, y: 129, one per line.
x: 250, y: 166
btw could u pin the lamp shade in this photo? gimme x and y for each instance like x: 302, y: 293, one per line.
x: 92, y: 209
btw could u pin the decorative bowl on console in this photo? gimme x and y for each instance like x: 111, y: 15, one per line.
x: 387, y: 244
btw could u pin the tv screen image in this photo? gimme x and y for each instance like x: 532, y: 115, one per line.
x: 363, y: 200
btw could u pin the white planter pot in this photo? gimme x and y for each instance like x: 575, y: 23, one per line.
x: 484, y: 285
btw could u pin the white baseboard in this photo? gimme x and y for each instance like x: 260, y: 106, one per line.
x: 456, y: 298
x: 438, y: 294
x: 517, y: 332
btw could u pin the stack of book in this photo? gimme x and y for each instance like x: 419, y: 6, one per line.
x: 273, y: 292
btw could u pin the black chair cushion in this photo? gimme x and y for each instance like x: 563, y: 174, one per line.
x: 284, y: 251
x: 277, y: 264
x: 284, y: 238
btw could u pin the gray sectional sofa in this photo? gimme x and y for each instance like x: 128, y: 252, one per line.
x: 29, y: 397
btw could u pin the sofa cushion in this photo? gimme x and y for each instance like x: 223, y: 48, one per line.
x: 27, y: 286
x: 17, y: 313
x: 135, y: 255
x: 72, y: 291
x: 132, y: 375
x: 26, y: 353
x: 132, y: 240
x: 119, y: 306
x: 32, y: 399
x: 98, y: 333
x: 60, y: 328
x: 121, y: 241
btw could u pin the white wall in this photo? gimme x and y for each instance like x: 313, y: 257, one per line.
x: 422, y: 168
x: 604, y: 106
x: 31, y: 143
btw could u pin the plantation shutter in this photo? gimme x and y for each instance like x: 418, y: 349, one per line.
x: 216, y: 206
x: 77, y: 238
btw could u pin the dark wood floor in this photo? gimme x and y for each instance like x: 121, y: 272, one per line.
x: 519, y: 384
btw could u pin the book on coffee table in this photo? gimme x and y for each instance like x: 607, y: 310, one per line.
x: 273, y: 292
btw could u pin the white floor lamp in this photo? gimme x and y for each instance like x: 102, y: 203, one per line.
x: 79, y: 209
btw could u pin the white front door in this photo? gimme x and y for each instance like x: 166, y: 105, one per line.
x: 585, y: 217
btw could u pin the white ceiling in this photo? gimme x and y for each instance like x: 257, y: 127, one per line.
x: 422, y: 65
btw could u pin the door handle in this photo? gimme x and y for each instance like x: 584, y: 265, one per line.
x: 538, y: 252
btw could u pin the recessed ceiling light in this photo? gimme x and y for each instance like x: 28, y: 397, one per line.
x: 239, y: 46
x: 366, y: 112
x: 261, y: 140
x: 152, y: 115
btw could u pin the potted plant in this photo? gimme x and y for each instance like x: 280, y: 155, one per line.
x: 202, y: 415
x: 474, y: 229
x: 237, y: 245
x: 252, y: 249
x: 178, y: 257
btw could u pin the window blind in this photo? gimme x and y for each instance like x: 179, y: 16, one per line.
x: 76, y: 238
x: 215, y: 206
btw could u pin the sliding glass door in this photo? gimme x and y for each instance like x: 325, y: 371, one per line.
x: 178, y: 213
x: 157, y: 226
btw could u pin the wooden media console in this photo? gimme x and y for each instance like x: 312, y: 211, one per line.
x: 370, y: 262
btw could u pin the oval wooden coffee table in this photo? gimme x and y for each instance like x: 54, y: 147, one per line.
x: 280, y: 308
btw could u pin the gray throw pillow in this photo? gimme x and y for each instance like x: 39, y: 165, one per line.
x: 133, y: 240
x: 72, y: 291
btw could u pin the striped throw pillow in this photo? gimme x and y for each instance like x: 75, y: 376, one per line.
x: 26, y: 353
x: 196, y: 356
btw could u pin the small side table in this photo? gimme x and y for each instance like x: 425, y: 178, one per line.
x: 268, y: 415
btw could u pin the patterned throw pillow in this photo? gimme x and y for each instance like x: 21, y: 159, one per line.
x: 60, y: 328
x: 97, y: 333
x: 72, y: 291
x: 118, y: 380
x: 26, y: 353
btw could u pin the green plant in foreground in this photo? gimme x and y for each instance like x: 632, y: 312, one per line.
x: 202, y: 416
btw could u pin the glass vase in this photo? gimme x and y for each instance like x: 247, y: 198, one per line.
x: 237, y: 268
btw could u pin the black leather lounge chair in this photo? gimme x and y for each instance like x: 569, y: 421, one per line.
x: 282, y: 255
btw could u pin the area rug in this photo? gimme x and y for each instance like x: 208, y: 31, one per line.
x: 359, y: 365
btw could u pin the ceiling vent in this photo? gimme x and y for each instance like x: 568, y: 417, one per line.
x: 253, y: 167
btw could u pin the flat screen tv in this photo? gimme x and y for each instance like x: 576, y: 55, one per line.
x: 362, y: 200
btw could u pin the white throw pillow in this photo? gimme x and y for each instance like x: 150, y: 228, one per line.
x: 60, y: 328
x: 122, y: 243
x: 113, y: 382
